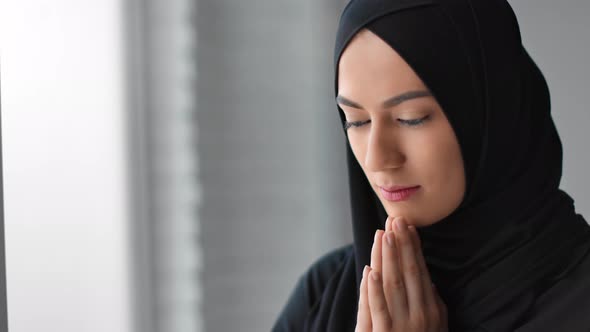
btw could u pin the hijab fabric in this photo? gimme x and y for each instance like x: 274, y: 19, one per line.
x: 515, y: 233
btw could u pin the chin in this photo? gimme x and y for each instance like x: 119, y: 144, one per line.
x: 395, y: 210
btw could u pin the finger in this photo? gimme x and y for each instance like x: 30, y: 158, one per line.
x: 388, y: 224
x: 376, y: 251
x: 429, y: 295
x: 393, y: 279
x: 363, y: 319
x: 411, y: 270
x: 380, y: 317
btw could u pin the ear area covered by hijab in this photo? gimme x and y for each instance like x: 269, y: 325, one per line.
x: 515, y: 233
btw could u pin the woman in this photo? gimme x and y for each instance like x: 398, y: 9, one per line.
x: 440, y: 99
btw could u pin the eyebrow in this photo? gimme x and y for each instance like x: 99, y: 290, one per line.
x: 390, y: 102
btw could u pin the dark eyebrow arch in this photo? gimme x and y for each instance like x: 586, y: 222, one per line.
x: 390, y: 102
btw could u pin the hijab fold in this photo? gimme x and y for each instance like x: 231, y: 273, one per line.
x: 515, y: 233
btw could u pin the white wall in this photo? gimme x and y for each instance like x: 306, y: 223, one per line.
x: 64, y: 166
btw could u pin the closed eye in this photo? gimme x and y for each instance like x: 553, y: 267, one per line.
x: 407, y: 123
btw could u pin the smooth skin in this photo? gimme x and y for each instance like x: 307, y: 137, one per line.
x: 396, y: 291
x: 405, y: 141
x: 408, y: 143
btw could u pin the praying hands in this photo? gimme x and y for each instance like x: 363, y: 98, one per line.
x: 396, y: 293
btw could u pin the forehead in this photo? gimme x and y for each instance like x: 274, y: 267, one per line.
x: 368, y: 62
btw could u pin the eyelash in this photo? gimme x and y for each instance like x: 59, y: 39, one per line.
x: 409, y: 123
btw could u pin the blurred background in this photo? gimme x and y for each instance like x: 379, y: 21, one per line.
x: 176, y: 165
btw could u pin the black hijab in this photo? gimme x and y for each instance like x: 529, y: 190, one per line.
x: 515, y: 233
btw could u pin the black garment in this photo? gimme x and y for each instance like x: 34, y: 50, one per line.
x: 564, y: 306
x: 515, y: 234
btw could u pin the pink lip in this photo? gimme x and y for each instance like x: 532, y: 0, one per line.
x: 399, y: 193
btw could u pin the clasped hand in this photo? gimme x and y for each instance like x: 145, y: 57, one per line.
x: 396, y: 293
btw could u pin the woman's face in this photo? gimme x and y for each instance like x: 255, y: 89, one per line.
x: 406, y: 142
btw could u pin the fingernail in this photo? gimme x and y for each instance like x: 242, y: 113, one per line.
x: 389, y: 238
x: 377, y: 235
x: 400, y: 224
x: 375, y: 275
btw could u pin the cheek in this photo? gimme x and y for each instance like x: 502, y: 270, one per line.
x: 358, y: 146
x: 433, y: 156
x: 438, y: 159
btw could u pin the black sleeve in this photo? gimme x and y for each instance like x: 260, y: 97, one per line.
x: 308, y: 290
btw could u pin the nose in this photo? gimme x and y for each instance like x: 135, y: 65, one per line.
x: 383, y: 149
